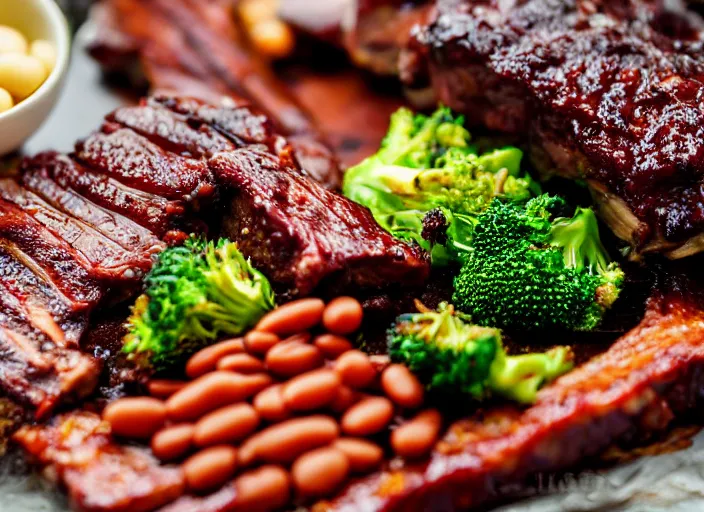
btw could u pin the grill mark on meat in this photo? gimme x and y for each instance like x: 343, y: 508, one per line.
x: 172, y: 132
x: 240, y: 125
x: 38, y: 295
x: 242, y: 74
x: 636, y: 387
x: 114, y: 226
x: 98, y: 473
x: 610, y: 90
x: 159, y: 39
x: 301, y: 234
x: 134, y: 161
x: 55, y: 260
x: 114, y: 261
x: 150, y: 211
x: 34, y: 369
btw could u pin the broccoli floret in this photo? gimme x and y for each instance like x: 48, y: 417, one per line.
x: 529, y: 271
x: 450, y: 354
x: 194, y: 294
x: 427, y: 163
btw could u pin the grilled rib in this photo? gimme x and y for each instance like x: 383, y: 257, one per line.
x: 302, y: 235
x: 636, y: 387
x: 98, y: 473
x: 79, y: 231
x: 607, y: 91
x: 193, y: 48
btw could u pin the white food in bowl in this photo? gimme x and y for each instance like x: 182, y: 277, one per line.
x: 36, y: 20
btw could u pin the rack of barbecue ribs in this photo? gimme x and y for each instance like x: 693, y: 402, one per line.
x: 194, y: 48
x: 81, y: 230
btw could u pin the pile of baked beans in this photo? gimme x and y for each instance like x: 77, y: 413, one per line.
x: 291, y: 410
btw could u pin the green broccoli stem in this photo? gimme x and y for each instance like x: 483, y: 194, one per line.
x: 520, y: 377
x: 580, y: 242
x: 450, y: 354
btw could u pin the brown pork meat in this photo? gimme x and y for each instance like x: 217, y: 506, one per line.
x: 79, y: 231
x: 609, y: 92
x: 194, y: 48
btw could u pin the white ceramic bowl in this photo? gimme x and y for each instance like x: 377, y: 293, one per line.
x: 36, y: 19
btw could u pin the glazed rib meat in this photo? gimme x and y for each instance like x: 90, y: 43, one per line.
x: 304, y: 236
x: 194, y: 48
x: 79, y: 231
x: 636, y: 387
x: 98, y: 473
x: 607, y: 91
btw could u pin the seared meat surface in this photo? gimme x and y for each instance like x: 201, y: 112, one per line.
x: 98, y: 473
x: 607, y: 91
x: 302, y: 235
x: 79, y: 231
x: 636, y: 387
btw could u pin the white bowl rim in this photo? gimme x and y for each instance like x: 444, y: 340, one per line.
x: 63, y: 54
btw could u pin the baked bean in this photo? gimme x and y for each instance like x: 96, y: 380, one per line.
x: 241, y: 363
x: 301, y: 337
x: 343, y: 315
x: 270, y: 404
x: 205, y: 360
x: 262, y: 490
x: 320, y: 472
x: 355, y: 369
x: 45, y: 52
x: 332, y: 346
x: 417, y: 437
x: 21, y: 75
x: 293, y: 358
x: 210, y: 468
x: 214, y: 390
x: 401, y: 386
x: 311, y: 390
x: 346, y: 398
x: 137, y: 417
x: 286, y: 441
x: 164, y: 388
x: 173, y: 442
x: 260, y: 342
x: 12, y: 40
x: 296, y: 316
x: 363, y: 455
x: 368, y: 416
x: 226, y: 425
